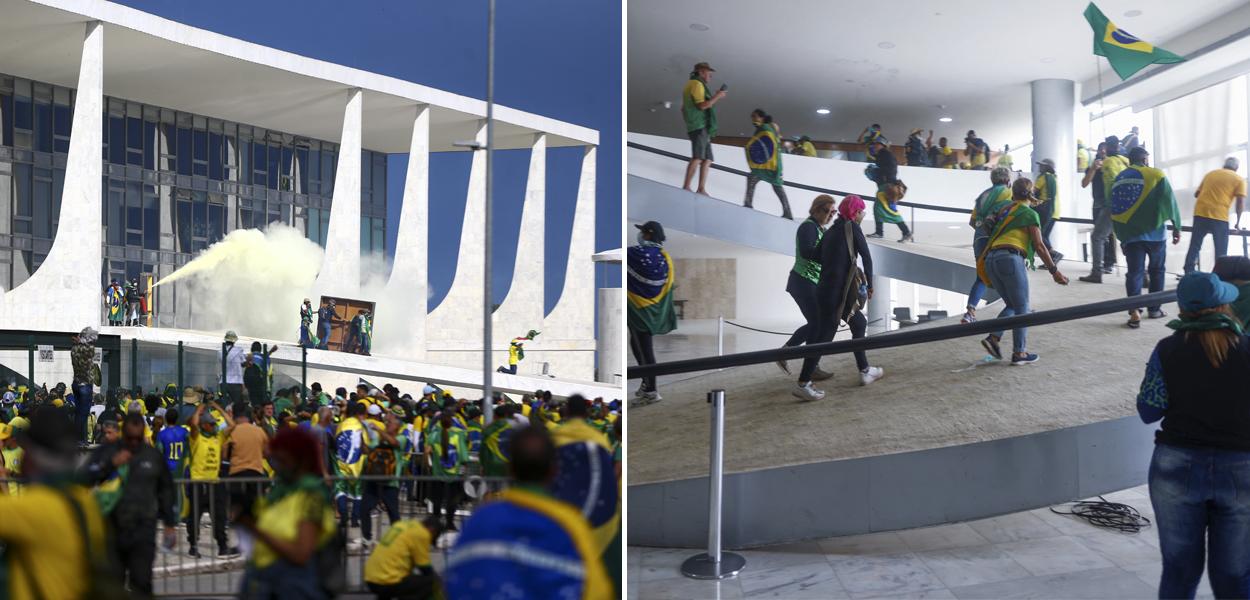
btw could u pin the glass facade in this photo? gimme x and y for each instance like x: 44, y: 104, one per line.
x: 174, y: 183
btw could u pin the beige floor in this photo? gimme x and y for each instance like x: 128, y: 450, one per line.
x: 931, y: 396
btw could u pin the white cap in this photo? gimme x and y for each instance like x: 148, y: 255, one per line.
x: 375, y: 409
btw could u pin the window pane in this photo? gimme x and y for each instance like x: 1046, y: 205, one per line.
x: 43, y: 127
x: 301, y: 165
x: 151, y: 219
x: 22, y: 183
x: 43, y: 208
x: 214, y: 156
x: 149, y: 145
x: 200, y: 200
x: 216, y: 222
x: 275, y: 155
x: 184, y: 151
x: 117, y: 140
x: 114, y: 223
x: 184, y: 224
x: 21, y: 112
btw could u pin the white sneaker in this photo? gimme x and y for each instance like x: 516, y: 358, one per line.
x: 640, y: 393
x: 807, y: 393
x: 821, y: 375
x: 870, y: 375
x: 652, y: 397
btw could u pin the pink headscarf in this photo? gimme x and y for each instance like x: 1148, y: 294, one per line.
x: 851, y: 206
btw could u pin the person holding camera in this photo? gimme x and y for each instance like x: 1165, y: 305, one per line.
x: 698, y: 111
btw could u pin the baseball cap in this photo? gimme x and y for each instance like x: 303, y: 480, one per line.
x: 429, y: 389
x: 654, y: 229
x: 703, y: 65
x: 1198, y: 291
x: 1232, y: 268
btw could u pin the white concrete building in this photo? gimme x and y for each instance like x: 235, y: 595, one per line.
x: 203, y: 134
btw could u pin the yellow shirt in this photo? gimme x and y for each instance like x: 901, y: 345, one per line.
x: 1016, y: 238
x: 44, y: 540
x: 405, y: 546
x: 205, y: 456
x: 1217, y: 191
x: 13, y: 462
x: 695, y: 90
x: 808, y: 148
x: 282, y: 520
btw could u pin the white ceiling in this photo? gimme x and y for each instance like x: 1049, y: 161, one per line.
x: 790, y: 58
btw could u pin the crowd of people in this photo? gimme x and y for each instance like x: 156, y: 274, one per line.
x: 296, y: 473
x: 125, y: 304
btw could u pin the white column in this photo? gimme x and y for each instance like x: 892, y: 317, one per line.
x: 455, y: 325
x: 402, y: 308
x: 340, y: 268
x: 523, y: 308
x: 1054, y: 104
x: 570, y: 325
x: 71, y: 271
x: 879, y: 309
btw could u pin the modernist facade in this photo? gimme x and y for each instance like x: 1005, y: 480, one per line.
x: 129, y: 142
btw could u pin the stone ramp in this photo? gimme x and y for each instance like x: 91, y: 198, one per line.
x: 1089, y: 371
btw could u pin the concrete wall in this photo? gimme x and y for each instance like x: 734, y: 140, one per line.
x: 610, y: 345
x: 708, y: 285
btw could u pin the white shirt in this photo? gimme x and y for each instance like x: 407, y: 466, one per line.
x: 234, y: 364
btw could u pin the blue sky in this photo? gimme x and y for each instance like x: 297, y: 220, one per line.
x: 557, y: 58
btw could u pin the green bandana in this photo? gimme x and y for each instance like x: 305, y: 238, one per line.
x: 1206, y: 322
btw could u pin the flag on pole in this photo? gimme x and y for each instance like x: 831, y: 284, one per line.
x: 1126, y: 53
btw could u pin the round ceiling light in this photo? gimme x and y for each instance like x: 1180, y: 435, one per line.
x: 822, y: 111
x: 699, y: 27
x: 885, y: 45
x: 1132, y: 13
x: 945, y: 119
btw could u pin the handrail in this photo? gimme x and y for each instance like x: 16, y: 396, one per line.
x: 933, y: 207
x: 904, y: 337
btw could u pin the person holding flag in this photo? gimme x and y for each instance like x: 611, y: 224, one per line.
x: 349, y: 462
x: 1142, y: 203
x: 989, y: 202
x: 585, y: 456
x: 1124, y: 51
x: 890, y: 190
x: 516, y: 352
x: 763, y: 152
x: 650, y: 294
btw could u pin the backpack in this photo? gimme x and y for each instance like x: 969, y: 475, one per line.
x: 380, y: 461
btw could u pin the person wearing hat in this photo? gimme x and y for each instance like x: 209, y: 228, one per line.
x: 1142, y: 203
x: 1195, y: 383
x: 889, y: 190
x: 1102, y: 239
x: 1215, y: 195
x: 204, y: 493
x: 326, y: 317
x: 306, y: 337
x: 917, y: 149
x: 86, y: 376
x: 55, y: 528
x: 231, y: 357
x: 1047, y: 204
x: 806, y: 147
x: 114, y: 301
x: 650, y: 294
x: 1131, y: 140
x: 698, y: 110
x: 1236, y: 270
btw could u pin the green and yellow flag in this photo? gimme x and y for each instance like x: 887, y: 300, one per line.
x: 1142, y: 201
x: 1123, y: 50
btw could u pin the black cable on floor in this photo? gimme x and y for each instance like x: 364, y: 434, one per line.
x: 1108, y: 515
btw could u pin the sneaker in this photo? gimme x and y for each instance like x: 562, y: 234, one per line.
x: 1108, y: 270
x: 870, y: 375
x: 640, y: 393
x: 821, y: 375
x: 875, y: 236
x: 193, y: 552
x: 907, y: 238
x: 1155, y: 314
x: 990, y: 343
x: 969, y: 317
x: 1018, y: 360
x: 807, y: 393
x: 225, y: 552
x: 1091, y: 278
x: 652, y: 397
x: 1056, y: 256
x: 784, y: 366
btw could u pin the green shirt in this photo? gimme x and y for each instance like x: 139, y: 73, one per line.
x: 447, y: 466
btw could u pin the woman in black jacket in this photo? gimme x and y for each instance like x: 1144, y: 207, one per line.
x: 839, y: 292
x: 806, y: 272
x: 1196, y: 382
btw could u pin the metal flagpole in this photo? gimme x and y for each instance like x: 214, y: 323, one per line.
x: 488, y: 394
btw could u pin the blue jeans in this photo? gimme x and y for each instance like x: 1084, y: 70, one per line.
x: 1201, y: 499
x: 1217, y: 229
x: 978, y: 287
x: 1135, y: 254
x: 323, y: 329
x: 305, y: 333
x: 1011, y: 281
x: 82, y: 409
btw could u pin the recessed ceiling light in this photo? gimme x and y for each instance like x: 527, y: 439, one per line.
x: 1132, y: 13
x: 885, y: 45
x: 954, y: 227
x: 822, y: 111
x: 1048, y: 59
x: 945, y: 119
x: 699, y: 27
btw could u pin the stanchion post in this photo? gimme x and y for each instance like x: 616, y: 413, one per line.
x: 715, y: 564
x: 134, y: 363
x: 179, y: 392
x: 720, y: 335
x: 30, y: 357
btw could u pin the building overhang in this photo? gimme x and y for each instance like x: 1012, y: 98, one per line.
x: 161, y: 62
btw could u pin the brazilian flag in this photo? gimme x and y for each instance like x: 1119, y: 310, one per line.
x: 1123, y: 50
x: 764, y: 154
x: 1141, y: 202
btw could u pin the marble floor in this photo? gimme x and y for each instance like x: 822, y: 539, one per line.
x: 1033, y: 554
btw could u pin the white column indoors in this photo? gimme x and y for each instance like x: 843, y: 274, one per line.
x: 1054, y: 104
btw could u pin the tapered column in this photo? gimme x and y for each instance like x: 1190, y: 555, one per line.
x: 69, y: 277
x: 456, y: 323
x: 569, y: 329
x: 402, y: 309
x: 340, y: 268
x: 522, y: 309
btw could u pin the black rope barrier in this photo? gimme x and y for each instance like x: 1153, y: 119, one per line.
x: 869, y: 196
x: 785, y: 333
x: 904, y: 337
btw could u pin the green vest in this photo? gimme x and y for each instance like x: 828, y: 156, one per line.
x: 698, y: 118
x: 805, y: 268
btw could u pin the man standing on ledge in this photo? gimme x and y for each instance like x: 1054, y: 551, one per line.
x: 1218, y: 190
x: 650, y: 293
x: 697, y: 102
x: 1142, y: 203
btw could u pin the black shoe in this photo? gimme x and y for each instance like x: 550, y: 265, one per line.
x: 1056, y: 256
x: 225, y: 552
x: 1091, y: 278
x: 1108, y: 270
x: 193, y: 552
x: 875, y: 236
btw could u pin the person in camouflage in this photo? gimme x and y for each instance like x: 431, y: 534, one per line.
x: 86, y: 375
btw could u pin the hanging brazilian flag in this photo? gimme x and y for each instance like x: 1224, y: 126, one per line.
x: 650, y: 290
x: 764, y: 154
x: 1141, y: 202
x: 1123, y: 50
